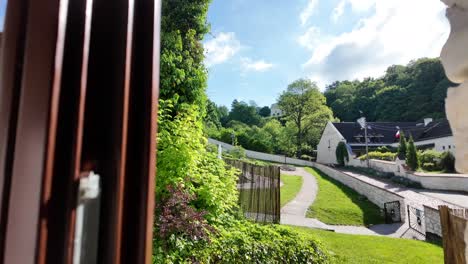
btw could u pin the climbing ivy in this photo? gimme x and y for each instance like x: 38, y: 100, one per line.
x: 341, y: 153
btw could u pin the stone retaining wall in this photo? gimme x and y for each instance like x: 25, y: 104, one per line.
x: 263, y: 156
x: 432, y: 220
x: 446, y: 182
x: 375, y: 194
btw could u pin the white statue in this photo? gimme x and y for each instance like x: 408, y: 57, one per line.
x: 454, y: 57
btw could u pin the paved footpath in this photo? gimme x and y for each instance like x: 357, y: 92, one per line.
x: 294, y: 213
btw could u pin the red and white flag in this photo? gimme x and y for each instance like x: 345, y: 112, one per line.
x: 397, y: 135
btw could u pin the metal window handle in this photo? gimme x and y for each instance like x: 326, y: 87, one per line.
x: 89, y: 187
x: 88, y: 190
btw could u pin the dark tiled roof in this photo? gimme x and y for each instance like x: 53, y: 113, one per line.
x: 384, y: 132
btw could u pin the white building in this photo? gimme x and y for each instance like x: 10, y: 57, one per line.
x: 427, y: 135
x: 275, y: 110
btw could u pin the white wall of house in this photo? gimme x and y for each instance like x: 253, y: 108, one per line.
x: 440, y: 144
x: 275, y: 110
x: 327, y: 145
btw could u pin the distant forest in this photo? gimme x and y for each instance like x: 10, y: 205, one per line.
x: 404, y: 93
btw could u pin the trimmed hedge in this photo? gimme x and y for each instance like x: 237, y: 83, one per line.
x: 388, y: 156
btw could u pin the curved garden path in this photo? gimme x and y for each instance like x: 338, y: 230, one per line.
x: 294, y: 212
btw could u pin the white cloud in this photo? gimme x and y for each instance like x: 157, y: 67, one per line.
x: 221, y: 48
x: 338, y: 11
x: 357, y: 6
x: 397, y: 32
x: 248, y: 64
x: 308, y: 11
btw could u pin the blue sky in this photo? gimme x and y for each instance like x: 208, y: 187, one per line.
x: 257, y: 47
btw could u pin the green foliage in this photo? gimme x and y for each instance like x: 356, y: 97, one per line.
x: 182, y: 71
x: 404, y: 93
x: 384, y: 149
x: 412, y: 155
x: 448, y: 162
x: 212, y: 117
x: 341, y: 153
x: 389, y: 156
x: 237, y: 152
x: 403, y: 146
x: 182, y: 155
x: 430, y: 160
x: 241, y: 241
x: 245, y: 242
x: 242, y: 112
x: 264, y: 111
x: 305, y: 106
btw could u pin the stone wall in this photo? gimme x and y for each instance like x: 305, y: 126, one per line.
x: 375, y: 194
x: 433, y: 181
x: 263, y: 156
x: 432, y: 220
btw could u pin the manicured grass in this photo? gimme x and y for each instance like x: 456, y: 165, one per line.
x: 337, y: 204
x: 292, y: 185
x: 346, y: 248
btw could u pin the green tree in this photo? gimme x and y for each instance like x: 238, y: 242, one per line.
x: 223, y: 113
x: 412, y: 155
x: 212, y: 118
x: 183, y: 26
x: 402, y: 147
x: 245, y: 113
x: 264, y: 111
x: 404, y: 93
x: 341, y: 153
x: 304, y: 106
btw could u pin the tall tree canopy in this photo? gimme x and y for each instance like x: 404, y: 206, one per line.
x: 305, y: 107
x: 245, y: 113
x: 404, y: 93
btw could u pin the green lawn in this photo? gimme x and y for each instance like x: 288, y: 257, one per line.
x: 340, y: 205
x: 292, y: 185
x: 346, y: 248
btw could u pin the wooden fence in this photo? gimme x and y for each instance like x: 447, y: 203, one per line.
x: 259, y: 191
x: 454, y: 234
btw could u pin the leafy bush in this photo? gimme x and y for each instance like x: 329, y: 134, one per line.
x: 341, y: 153
x: 177, y: 217
x: 237, y: 152
x: 388, y: 156
x: 242, y: 241
x: 412, y: 155
x: 385, y: 149
x: 429, y: 166
x: 430, y: 160
x: 448, y: 162
x: 183, y: 158
x: 245, y: 242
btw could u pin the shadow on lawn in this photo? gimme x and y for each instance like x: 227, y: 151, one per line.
x: 371, y: 213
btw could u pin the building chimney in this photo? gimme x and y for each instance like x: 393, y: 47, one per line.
x: 427, y: 121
